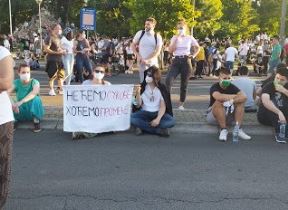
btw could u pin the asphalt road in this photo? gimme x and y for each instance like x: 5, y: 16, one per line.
x: 122, y: 171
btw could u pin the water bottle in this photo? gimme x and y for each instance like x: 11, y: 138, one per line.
x: 236, y: 133
x: 282, y: 130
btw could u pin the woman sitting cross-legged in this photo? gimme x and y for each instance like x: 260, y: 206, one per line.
x: 28, y: 105
x: 96, y: 78
x: 155, y: 115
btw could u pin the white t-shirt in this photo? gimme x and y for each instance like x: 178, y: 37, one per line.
x: 7, y: 44
x: 243, y: 49
x: 89, y: 82
x: 231, y: 54
x: 183, y: 45
x: 129, y: 51
x: 151, y: 99
x: 67, y: 45
x: 147, y: 45
x: 260, y: 50
x: 6, y: 113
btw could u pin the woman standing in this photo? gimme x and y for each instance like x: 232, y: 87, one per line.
x: 156, y: 115
x: 180, y: 46
x: 82, y: 48
x: 68, y: 58
x: 54, y: 66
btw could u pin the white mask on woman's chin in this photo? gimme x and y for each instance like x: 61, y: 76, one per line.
x: 25, y: 77
x: 148, y: 79
x: 181, y: 32
x: 99, y: 75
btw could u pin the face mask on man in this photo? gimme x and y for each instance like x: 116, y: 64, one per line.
x: 279, y: 83
x: 99, y: 75
x: 225, y: 83
x: 25, y: 77
x: 148, y: 79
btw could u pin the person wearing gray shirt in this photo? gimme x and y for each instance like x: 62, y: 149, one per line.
x: 248, y: 86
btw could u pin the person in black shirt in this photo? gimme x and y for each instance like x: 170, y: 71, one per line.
x: 274, y: 106
x: 226, y: 105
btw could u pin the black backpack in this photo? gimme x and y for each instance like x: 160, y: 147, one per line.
x: 142, y: 34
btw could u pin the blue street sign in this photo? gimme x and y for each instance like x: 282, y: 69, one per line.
x: 88, y: 19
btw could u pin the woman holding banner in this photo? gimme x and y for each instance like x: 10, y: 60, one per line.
x: 95, y: 79
x: 155, y: 115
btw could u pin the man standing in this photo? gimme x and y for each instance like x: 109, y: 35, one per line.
x: 243, y: 51
x: 146, y: 46
x: 274, y: 107
x: 230, y: 55
x: 226, y: 105
x: 275, y: 55
x: 6, y: 121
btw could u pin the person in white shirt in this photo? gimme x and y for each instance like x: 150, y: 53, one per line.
x: 180, y: 46
x: 230, y: 55
x: 243, y: 51
x: 147, y: 45
x: 67, y: 43
x: 130, y: 58
x: 6, y: 121
x: 155, y: 116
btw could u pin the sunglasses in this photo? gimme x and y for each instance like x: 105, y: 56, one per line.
x: 99, y: 71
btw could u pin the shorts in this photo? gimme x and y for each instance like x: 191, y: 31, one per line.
x: 53, y: 67
x: 273, y: 65
x: 212, y: 120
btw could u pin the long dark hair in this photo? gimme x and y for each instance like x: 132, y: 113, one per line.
x: 156, y: 75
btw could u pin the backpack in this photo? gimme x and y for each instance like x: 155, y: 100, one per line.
x: 142, y: 34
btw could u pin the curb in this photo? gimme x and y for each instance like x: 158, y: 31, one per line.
x: 180, y: 128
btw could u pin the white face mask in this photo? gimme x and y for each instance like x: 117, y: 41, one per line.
x: 148, y: 79
x: 25, y: 77
x: 181, y: 32
x: 99, y: 75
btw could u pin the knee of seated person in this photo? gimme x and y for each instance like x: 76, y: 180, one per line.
x: 218, y: 104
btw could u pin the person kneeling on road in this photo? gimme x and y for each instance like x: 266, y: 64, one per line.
x: 226, y: 105
x: 156, y: 115
x: 29, y: 105
x: 273, y: 111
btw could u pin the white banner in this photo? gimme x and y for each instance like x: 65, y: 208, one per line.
x: 97, y: 108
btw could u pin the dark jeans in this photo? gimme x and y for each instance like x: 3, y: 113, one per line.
x: 6, y: 138
x: 82, y: 61
x: 270, y: 119
x: 181, y: 66
x: 229, y: 65
x: 199, y: 68
x: 142, y: 119
x: 214, y: 66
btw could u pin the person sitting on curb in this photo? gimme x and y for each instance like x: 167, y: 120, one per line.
x: 274, y: 107
x: 28, y: 106
x: 248, y: 86
x: 226, y: 105
x: 155, y: 116
x: 95, y: 79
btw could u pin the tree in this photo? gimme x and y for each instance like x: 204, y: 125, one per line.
x: 208, y: 21
x: 167, y: 12
x: 239, y: 19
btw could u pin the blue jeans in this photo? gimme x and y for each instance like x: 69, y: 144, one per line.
x: 142, y: 119
x: 82, y: 61
x: 229, y: 65
x: 273, y: 65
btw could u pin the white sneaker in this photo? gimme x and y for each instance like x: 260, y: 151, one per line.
x: 223, y: 135
x: 243, y: 135
x: 181, y: 107
x: 52, y: 93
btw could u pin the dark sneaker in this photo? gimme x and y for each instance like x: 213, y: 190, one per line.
x: 280, y: 139
x: 164, y: 132
x: 138, y: 132
x: 36, y: 128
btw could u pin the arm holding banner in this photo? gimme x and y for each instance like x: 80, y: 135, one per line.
x: 138, y: 97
